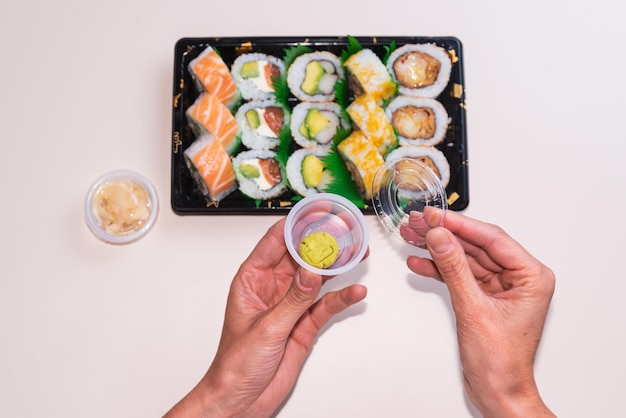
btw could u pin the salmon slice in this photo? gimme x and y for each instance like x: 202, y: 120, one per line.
x: 211, y: 74
x: 212, y: 116
x: 211, y: 167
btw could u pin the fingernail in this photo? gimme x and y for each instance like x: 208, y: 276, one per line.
x: 438, y: 241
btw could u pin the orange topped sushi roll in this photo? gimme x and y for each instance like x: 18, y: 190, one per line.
x: 209, y: 114
x: 211, y: 74
x: 211, y: 168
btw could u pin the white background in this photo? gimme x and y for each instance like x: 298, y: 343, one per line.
x: 93, y: 330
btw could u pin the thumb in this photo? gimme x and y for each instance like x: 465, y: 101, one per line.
x: 449, y: 257
x: 303, y: 292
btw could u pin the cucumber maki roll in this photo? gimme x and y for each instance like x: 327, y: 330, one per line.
x: 259, y: 174
x: 420, y: 69
x: 255, y: 73
x: 315, y: 124
x: 418, y: 120
x: 260, y: 122
x: 312, y: 76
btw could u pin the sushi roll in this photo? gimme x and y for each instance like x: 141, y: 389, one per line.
x: 306, y: 172
x: 312, y: 76
x: 368, y: 75
x: 211, y: 74
x: 211, y: 168
x: 260, y: 122
x: 254, y: 74
x: 418, y: 120
x: 259, y: 174
x: 370, y: 118
x: 315, y: 124
x: 362, y: 160
x: 209, y: 115
x: 420, y: 69
x: 430, y: 156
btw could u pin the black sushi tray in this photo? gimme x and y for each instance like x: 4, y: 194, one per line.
x: 186, y: 198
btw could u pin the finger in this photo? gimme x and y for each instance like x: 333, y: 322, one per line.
x: 302, y: 293
x: 486, y: 242
x: 423, y: 266
x: 449, y: 257
x: 331, y: 304
x: 271, y: 248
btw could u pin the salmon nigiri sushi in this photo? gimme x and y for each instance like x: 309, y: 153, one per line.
x: 211, y: 168
x: 211, y: 74
x: 209, y: 115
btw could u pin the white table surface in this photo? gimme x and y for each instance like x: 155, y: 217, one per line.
x: 94, y: 330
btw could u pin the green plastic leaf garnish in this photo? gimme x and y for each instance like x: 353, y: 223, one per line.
x: 388, y: 50
x: 285, y: 145
x: 281, y: 90
x: 342, y: 183
x: 294, y: 52
x: 352, y: 48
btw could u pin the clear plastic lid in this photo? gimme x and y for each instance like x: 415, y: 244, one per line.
x: 121, y: 206
x: 403, y: 186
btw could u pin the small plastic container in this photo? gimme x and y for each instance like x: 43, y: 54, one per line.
x: 121, y: 206
x: 404, y: 186
x: 332, y: 214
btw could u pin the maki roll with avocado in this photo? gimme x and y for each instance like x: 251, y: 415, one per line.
x: 260, y: 122
x: 418, y: 120
x: 315, y: 124
x: 420, y: 69
x: 306, y: 171
x: 255, y: 73
x: 259, y: 174
x: 312, y: 76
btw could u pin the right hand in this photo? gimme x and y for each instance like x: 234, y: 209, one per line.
x: 500, y: 295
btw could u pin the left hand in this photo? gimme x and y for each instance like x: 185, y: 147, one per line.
x: 272, y: 320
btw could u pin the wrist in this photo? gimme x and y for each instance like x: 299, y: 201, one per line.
x: 517, y: 400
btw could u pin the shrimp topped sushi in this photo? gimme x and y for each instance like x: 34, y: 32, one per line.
x: 420, y: 69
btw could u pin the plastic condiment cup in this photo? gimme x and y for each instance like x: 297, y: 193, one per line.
x: 336, y: 215
x: 403, y: 186
x: 128, y: 213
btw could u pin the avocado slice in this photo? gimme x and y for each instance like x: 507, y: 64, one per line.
x: 252, y: 116
x: 313, y: 72
x: 249, y: 171
x: 315, y: 121
x: 312, y: 170
x: 250, y: 69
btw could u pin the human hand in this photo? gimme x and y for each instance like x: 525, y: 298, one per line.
x: 272, y: 320
x: 500, y: 295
